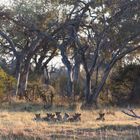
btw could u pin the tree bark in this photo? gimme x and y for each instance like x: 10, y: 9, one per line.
x: 23, y: 82
x: 70, y: 82
x: 115, y: 59
x: 69, y: 67
x: 100, y: 87
x: 18, y: 83
x: 46, y: 76
x: 76, y: 72
x: 88, y: 87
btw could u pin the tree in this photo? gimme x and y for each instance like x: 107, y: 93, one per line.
x: 95, y: 33
x: 27, y: 39
x: 36, y: 33
x: 104, y: 31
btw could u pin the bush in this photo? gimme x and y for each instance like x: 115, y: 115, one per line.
x: 7, y: 83
x: 125, y: 83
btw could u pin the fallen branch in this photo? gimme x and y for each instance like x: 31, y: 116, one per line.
x: 131, y: 113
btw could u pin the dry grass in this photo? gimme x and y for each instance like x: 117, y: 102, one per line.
x: 16, y: 122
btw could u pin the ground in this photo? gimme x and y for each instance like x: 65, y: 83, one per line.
x: 17, y: 122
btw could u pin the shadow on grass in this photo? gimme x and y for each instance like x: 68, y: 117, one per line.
x: 114, y: 132
x: 18, y: 137
x: 111, y: 127
x: 119, y: 127
x: 107, y: 132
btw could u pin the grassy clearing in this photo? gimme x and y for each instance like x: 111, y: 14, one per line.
x: 17, y: 122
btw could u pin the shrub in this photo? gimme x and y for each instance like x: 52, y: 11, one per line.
x: 7, y: 83
x: 125, y: 83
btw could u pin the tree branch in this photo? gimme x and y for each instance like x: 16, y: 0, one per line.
x: 131, y: 113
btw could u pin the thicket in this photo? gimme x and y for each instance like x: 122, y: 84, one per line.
x: 7, y: 84
x: 123, y: 86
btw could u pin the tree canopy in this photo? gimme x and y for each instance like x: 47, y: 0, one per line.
x: 95, y: 34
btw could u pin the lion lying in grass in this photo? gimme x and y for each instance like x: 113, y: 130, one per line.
x: 57, y: 117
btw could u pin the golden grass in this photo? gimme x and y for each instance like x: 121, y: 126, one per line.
x: 15, y: 122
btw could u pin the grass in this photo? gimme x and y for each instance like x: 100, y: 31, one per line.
x: 17, y: 122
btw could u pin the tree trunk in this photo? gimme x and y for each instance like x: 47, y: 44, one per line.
x: 76, y: 72
x: 76, y: 83
x: 88, y: 87
x: 103, y: 80
x: 70, y: 82
x: 18, y: 74
x: 26, y: 77
x: 24, y: 80
x: 18, y: 83
x: 46, y: 76
x: 69, y: 67
x: 100, y: 87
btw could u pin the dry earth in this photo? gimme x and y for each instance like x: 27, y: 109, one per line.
x: 18, y: 123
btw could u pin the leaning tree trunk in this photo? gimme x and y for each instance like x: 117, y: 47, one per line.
x: 103, y: 80
x: 100, y: 87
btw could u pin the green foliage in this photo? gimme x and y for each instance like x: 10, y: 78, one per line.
x: 124, y: 84
x: 7, y: 83
x: 122, y: 87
